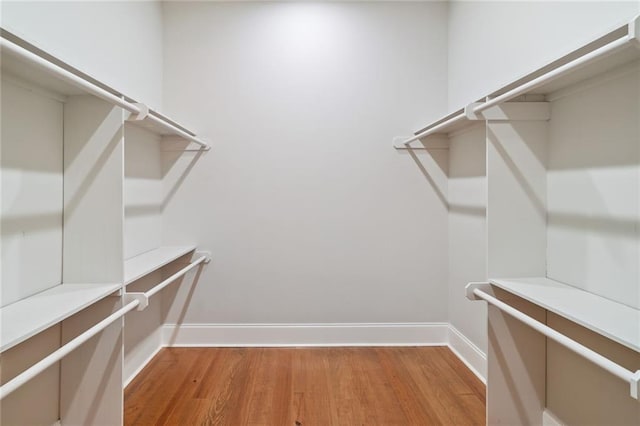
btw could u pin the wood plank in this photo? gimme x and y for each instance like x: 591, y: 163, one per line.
x: 301, y: 387
x: 311, y: 388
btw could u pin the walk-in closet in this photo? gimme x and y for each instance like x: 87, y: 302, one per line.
x: 320, y: 213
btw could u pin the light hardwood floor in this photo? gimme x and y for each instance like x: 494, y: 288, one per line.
x: 306, y: 386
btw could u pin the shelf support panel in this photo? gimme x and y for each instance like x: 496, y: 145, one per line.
x: 144, y: 112
x: 142, y: 298
x: 473, y: 286
x: 634, y: 31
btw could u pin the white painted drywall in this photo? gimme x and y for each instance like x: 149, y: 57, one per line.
x: 143, y: 191
x: 32, y: 193
x: 310, y: 214
x: 594, y: 188
x: 467, y: 231
x: 117, y: 42
x: 491, y: 43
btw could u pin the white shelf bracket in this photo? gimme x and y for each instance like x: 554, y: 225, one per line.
x: 472, y: 286
x: 206, y: 254
x: 468, y: 112
x: 634, y: 31
x: 142, y: 298
x: 144, y: 112
x: 635, y: 385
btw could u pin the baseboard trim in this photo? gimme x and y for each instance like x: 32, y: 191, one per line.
x: 286, y: 335
x: 317, y: 335
x: 141, y: 367
x: 470, y: 354
x: 549, y: 419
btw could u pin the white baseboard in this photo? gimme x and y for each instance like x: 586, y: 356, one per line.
x: 469, y: 353
x: 141, y: 367
x: 282, y: 335
x: 287, y: 335
x: 549, y: 419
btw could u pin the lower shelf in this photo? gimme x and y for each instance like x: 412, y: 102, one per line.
x: 618, y: 322
x: 27, y: 317
x: 145, y: 263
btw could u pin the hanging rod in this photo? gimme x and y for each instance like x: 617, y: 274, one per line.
x: 175, y: 276
x: 67, y: 76
x: 139, y: 300
x: 95, y: 90
x: 205, y: 146
x: 48, y: 361
x: 557, y: 73
x: 436, y: 128
x: 605, y: 363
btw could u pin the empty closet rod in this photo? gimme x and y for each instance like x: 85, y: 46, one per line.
x: 436, y: 128
x: 179, y: 132
x: 67, y: 76
x: 91, y: 88
x: 66, y: 349
x: 39, y: 367
x: 556, y: 73
x: 605, y: 363
x: 175, y: 276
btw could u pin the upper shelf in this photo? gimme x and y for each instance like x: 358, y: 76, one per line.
x: 26, y: 62
x: 618, y: 322
x: 145, y: 263
x: 27, y: 317
x: 613, y: 50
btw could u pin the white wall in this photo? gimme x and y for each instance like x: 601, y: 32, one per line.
x: 31, y: 187
x: 467, y: 231
x: 119, y: 43
x: 492, y: 43
x: 593, y: 198
x: 310, y: 214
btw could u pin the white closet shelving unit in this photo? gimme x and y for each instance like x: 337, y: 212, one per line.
x: 613, y: 320
x: 562, y: 238
x: 27, y: 317
x: 144, y: 264
x: 64, y: 237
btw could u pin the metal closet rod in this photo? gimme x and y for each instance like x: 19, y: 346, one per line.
x: 605, y: 363
x: 67, y: 348
x: 97, y: 91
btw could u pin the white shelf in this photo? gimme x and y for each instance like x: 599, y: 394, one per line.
x: 618, y: 322
x: 458, y: 125
x: 624, y: 55
x: 27, y: 317
x: 26, y: 64
x: 626, y: 52
x: 145, y: 263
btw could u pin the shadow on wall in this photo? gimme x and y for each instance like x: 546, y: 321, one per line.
x: 435, y: 165
x: 176, y: 299
x: 174, y: 177
x: 171, y: 173
x: 593, y: 222
x: 538, y: 204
